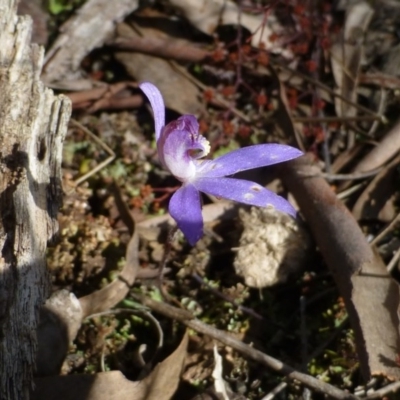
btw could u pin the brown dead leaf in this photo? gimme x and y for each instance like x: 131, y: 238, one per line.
x: 60, y: 320
x: 161, y: 384
x: 387, y: 147
x: 376, y: 201
x: 61, y: 316
x: 83, y: 32
x: 347, y: 53
x: 375, y: 292
x: 371, y: 295
x: 107, y: 297
x: 283, y: 114
x: 207, y: 15
x: 179, y: 93
x: 163, y: 381
x: 346, y: 157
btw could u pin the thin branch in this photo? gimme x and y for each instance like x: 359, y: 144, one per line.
x: 344, y: 177
x: 243, y: 309
x: 348, y: 192
x: 218, y: 100
x: 386, y: 230
x: 187, y: 319
x: 275, y: 391
x: 143, y: 312
x: 164, y: 48
x: 319, y: 120
x: 386, y: 149
x: 332, y: 92
x: 395, y: 259
x: 100, y: 142
x: 385, y: 391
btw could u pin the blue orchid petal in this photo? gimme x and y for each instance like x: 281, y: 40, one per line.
x: 185, y: 209
x: 173, y: 150
x: 157, y: 104
x: 250, y: 157
x: 244, y: 192
x: 188, y: 123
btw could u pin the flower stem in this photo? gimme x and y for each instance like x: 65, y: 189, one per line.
x: 163, y: 263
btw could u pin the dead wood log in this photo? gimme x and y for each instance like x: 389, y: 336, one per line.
x: 33, y: 123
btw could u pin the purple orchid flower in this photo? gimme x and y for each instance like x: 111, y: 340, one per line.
x: 180, y: 149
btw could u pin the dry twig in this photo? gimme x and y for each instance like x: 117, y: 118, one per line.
x: 331, y: 92
x: 170, y: 49
x: 100, y: 142
x: 385, y: 391
x: 186, y: 318
x: 111, y: 97
x: 386, y: 230
x: 388, y: 147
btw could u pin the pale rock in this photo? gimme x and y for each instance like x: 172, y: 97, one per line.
x: 273, y: 245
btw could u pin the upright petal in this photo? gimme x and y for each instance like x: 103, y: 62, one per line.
x: 244, y: 192
x: 188, y: 123
x: 185, y: 209
x: 157, y: 104
x: 259, y: 155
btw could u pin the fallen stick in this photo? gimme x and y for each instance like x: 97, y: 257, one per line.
x: 387, y: 147
x: 187, y: 319
x: 168, y: 48
x: 114, y: 96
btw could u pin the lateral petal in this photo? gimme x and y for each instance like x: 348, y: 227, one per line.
x: 185, y: 209
x: 244, y: 192
x: 259, y: 155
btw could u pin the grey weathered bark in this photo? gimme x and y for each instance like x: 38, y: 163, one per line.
x: 88, y: 29
x: 33, y: 123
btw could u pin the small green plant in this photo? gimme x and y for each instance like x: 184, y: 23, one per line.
x: 56, y: 7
